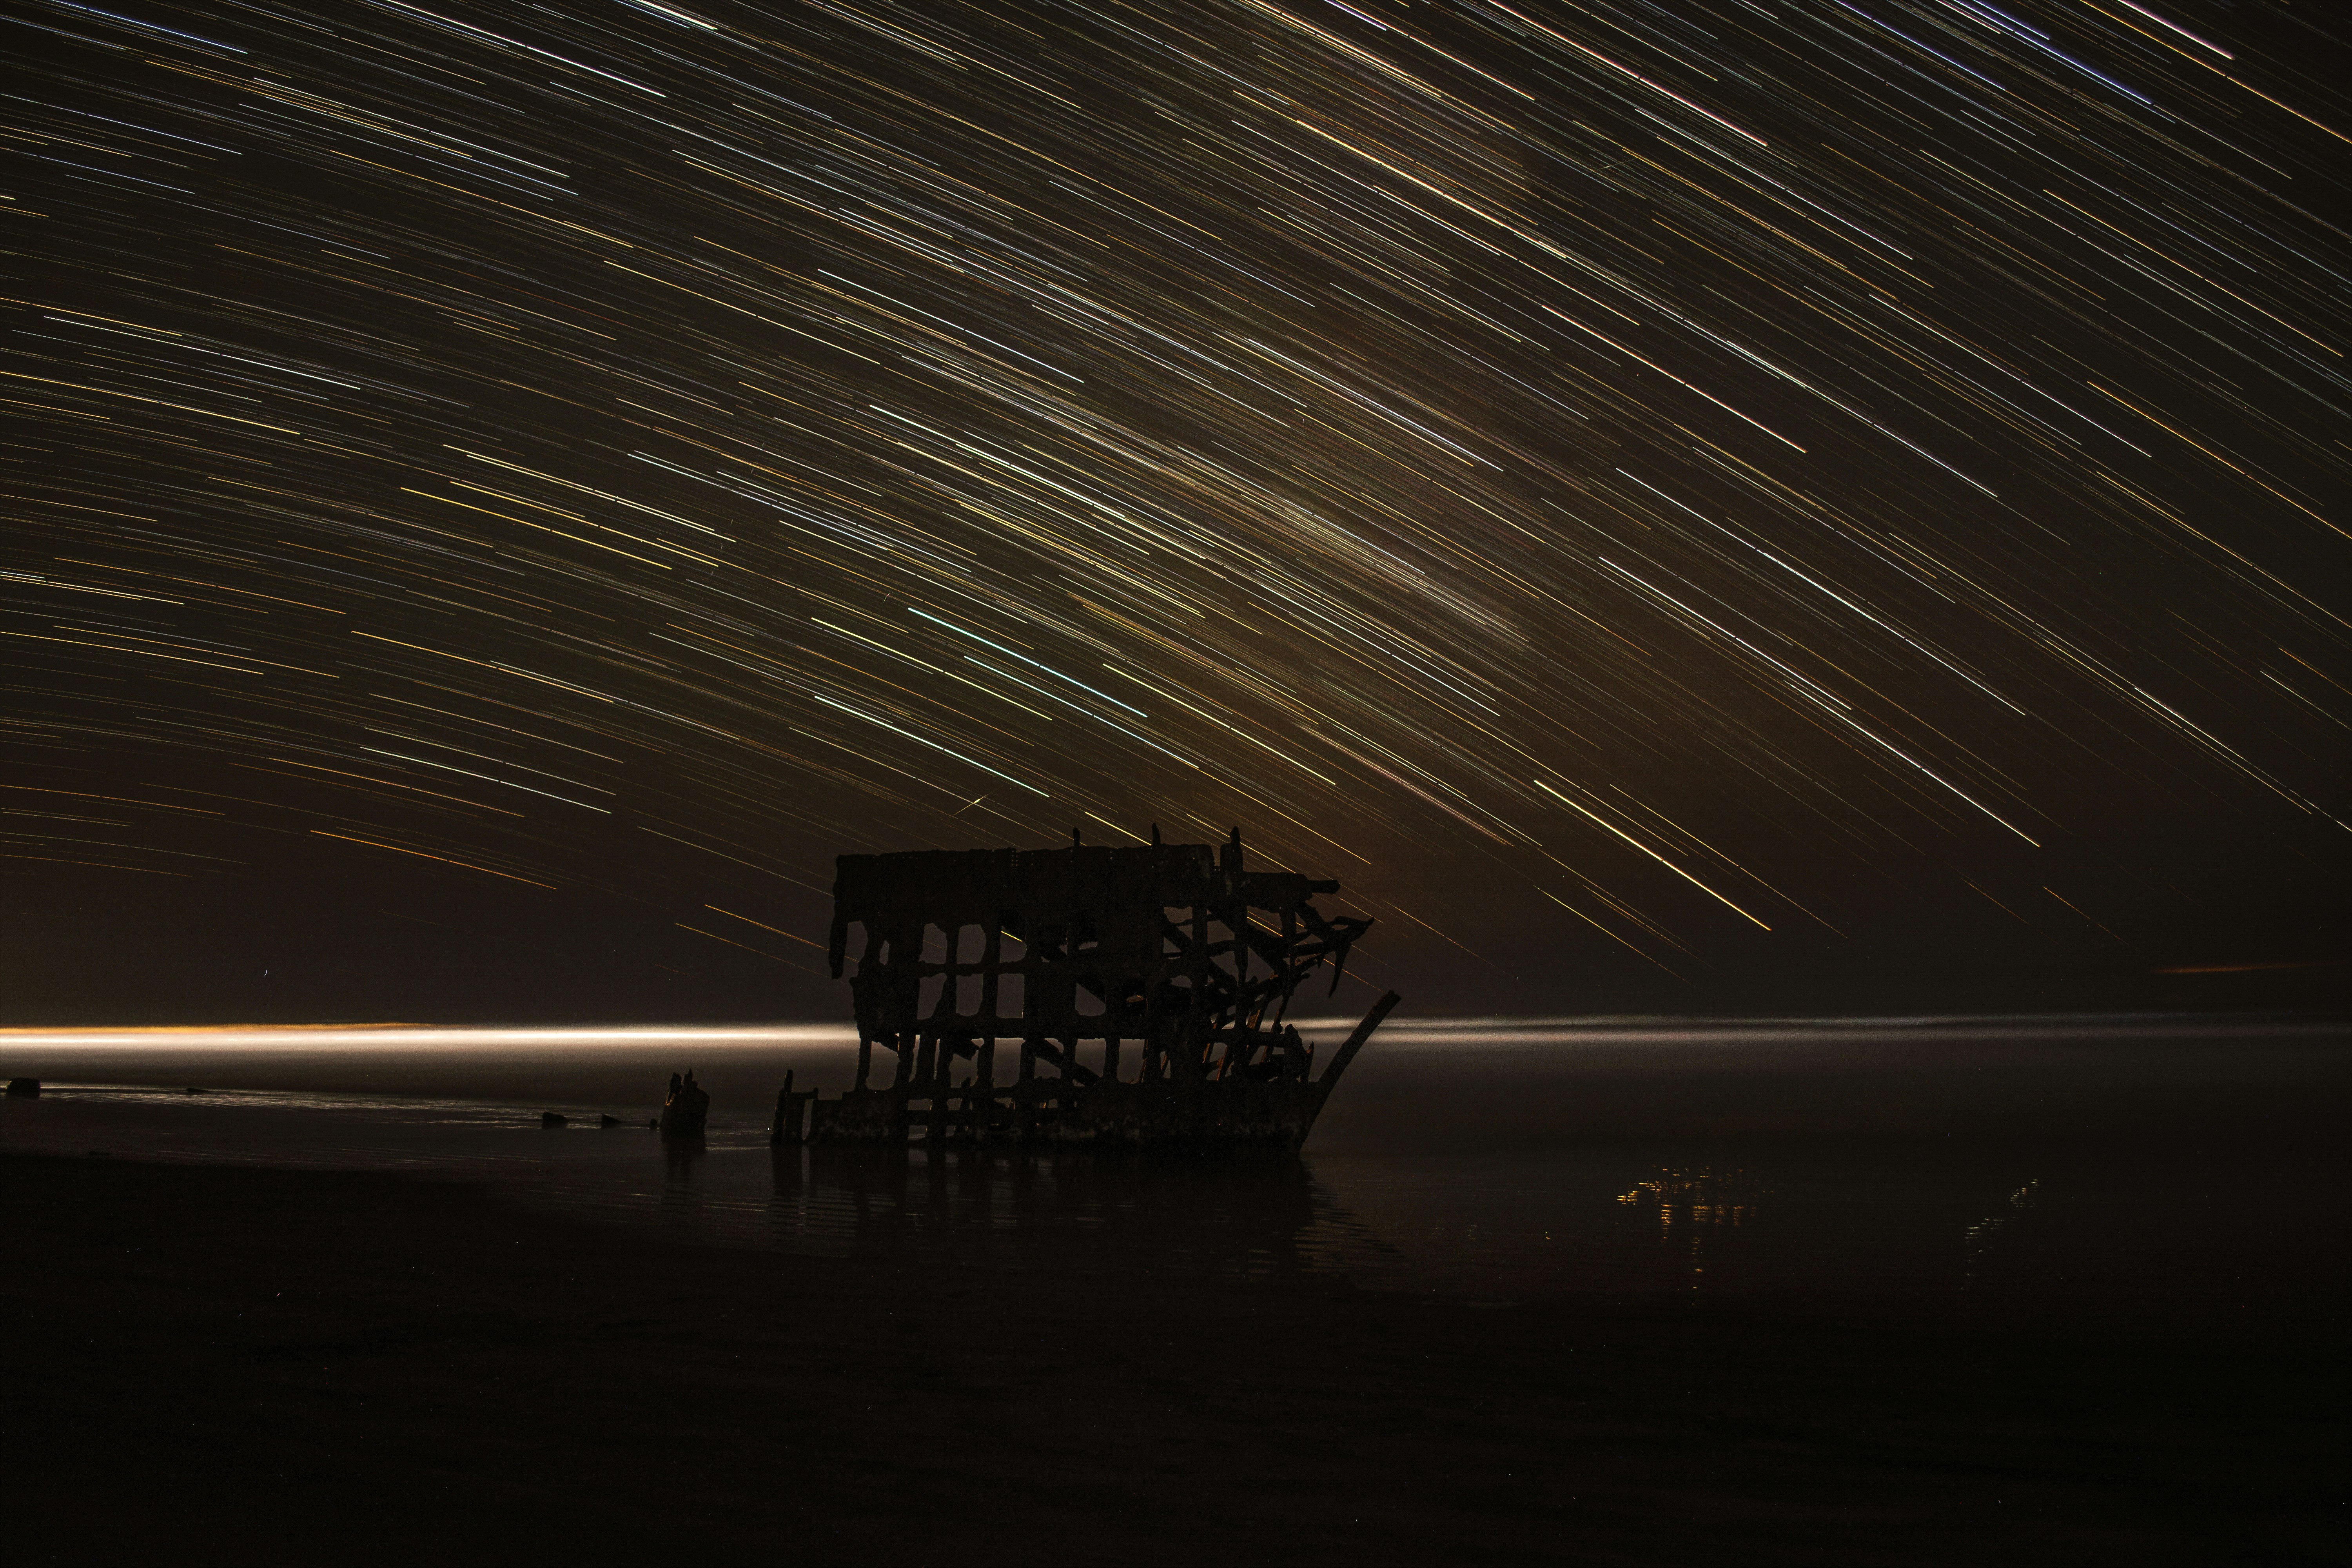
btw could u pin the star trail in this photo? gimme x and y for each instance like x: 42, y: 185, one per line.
x: 1653, y: 498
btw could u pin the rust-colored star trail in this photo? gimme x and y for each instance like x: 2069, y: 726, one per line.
x: 1657, y: 499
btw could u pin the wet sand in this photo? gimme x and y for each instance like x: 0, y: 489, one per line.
x: 212, y: 1363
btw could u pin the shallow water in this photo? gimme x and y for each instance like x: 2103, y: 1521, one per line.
x: 2143, y: 1172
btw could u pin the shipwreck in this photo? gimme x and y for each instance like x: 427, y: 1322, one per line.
x: 1113, y: 996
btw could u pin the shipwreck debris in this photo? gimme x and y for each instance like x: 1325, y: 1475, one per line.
x: 792, y: 1113
x: 1140, y: 993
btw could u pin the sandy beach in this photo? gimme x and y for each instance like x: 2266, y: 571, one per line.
x: 215, y: 1364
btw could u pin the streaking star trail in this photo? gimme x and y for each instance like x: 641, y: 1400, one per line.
x: 1665, y: 503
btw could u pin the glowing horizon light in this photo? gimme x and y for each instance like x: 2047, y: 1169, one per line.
x: 318, y: 1036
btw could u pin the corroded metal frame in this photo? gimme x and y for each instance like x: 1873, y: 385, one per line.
x: 1179, y: 961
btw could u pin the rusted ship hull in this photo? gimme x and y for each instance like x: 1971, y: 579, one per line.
x: 1108, y: 1116
x: 1114, y: 998
x: 1166, y: 1113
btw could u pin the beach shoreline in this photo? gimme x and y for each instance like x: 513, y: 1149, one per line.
x: 210, y: 1360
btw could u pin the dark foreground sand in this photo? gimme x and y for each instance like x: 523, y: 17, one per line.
x: 210, y: 1364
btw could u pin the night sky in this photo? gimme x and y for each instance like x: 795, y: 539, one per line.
x: 1716, y: 506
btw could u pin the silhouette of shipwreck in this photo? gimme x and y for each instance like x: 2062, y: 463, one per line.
x: 1110, y: 996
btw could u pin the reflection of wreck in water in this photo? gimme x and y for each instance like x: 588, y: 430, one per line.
x: 1077, y: 958
x: 1246, y: 1215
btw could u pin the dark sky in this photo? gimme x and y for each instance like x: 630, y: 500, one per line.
x: 1721, y: 506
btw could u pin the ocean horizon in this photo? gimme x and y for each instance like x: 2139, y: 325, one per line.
x: 2103, y: 1161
